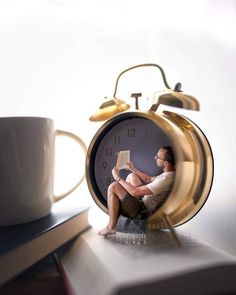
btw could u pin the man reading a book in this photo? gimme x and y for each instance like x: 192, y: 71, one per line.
x: 140, y: 193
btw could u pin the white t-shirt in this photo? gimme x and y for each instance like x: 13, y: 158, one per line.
x: 161, y: 187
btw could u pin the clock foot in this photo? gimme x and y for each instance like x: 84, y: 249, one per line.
x: 170, y: 226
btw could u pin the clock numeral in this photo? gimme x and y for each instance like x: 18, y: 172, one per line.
x: 131, y: 132
x: 108, y: 181
x: 108, y: 151
x: 117, y: 139
x: 104, y: 165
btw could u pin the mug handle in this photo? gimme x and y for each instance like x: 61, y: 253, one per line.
x: 84, y: 147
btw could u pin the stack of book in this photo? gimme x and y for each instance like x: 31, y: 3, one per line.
x: 23, y: 245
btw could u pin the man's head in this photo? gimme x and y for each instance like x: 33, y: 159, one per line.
x: 165, y: 158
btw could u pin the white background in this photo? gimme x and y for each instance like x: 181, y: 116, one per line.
x: 60, y: 58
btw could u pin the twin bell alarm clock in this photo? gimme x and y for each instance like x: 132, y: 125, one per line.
x: 143, y: 132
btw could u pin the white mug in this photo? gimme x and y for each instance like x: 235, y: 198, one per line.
x: 27, y: 168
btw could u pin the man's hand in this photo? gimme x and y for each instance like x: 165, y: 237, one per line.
x: 115, y: 173
x: 131, y: 167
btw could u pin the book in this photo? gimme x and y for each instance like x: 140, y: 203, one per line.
x: 23, y: 245
x: 41, y: 278
x: 156, y: 265
x: 123, y: 157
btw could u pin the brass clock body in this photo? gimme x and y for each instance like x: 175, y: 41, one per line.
x: 143, y: 133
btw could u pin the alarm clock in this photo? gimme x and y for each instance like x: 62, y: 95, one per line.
x: 143, y: 133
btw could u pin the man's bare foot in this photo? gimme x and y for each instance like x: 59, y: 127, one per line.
x: 107, y: 231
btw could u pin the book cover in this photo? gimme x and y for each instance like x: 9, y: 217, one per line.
x: 23, y: 245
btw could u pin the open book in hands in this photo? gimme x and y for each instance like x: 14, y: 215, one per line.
x: 123, y: 157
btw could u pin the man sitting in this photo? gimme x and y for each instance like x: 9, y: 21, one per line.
x: 140, y: 192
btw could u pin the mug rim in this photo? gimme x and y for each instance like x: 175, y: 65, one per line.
x: 25, y: 118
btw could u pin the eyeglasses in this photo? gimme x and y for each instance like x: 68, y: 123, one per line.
x: 156, y: 157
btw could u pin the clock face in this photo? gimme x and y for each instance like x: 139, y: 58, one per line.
x: 140, y: 136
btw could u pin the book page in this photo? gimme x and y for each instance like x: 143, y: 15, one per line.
x: 123, y: 157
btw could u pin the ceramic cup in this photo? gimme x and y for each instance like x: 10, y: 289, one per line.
x: 27, y: 168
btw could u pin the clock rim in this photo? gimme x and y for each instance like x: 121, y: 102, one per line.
x: 166, y: 120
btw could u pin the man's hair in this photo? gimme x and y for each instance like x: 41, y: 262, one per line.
x: 169, y: 157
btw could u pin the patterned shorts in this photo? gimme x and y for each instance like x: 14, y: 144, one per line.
x: 132, y: 207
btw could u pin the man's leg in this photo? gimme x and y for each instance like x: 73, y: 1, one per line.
x: 114, y: 195
x: 133, y: 179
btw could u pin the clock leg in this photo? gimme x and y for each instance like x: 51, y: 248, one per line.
x: 173, y: 232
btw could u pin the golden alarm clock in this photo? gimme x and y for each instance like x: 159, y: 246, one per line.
x: 143, y: 133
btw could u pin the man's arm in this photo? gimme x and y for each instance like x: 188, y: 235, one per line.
x: 134, y: 191
x: 145, y: 177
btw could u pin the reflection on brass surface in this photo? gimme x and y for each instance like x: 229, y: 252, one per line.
x: 194, y: 173
x: 194, y: 167
x: 175, y: 99
x: 109, y: 109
